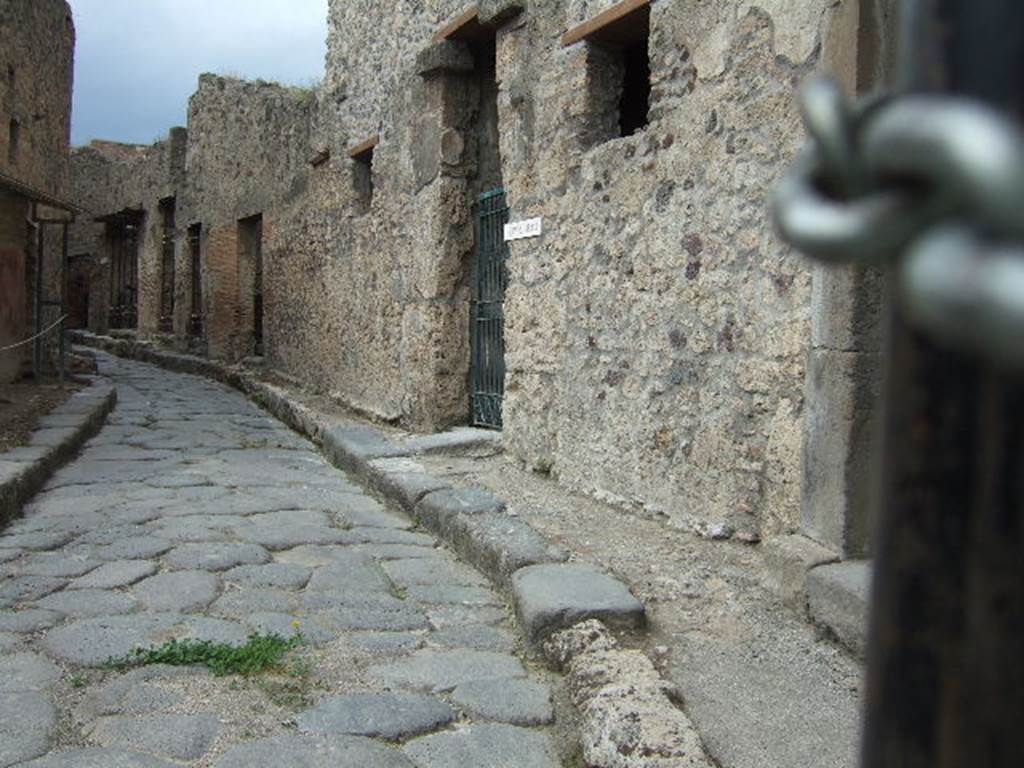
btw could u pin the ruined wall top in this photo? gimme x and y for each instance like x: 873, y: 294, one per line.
x: 36, y: 69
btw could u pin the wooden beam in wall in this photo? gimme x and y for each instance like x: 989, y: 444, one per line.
x: 365, y: 146
x: 623, y: 22
x: 466, y: 26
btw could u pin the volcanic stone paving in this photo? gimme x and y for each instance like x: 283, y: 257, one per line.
x: 194, y: 515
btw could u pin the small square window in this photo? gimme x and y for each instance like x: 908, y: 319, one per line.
x: 362, y: 173
x: 618, y: 69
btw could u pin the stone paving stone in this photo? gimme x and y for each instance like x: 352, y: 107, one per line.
x: 98, y: 757
x: 22, y: 672
x: 135, y: 548
x: 553, y: 597
x: 241, y: 602
x: 314, y: 752
x: 120, y: 573
x: 365, y: 535
x: 177, y: 737
x: 60, y: 565
x: 479, y: 637
x: 92, y: 642
x: 132, y: 693
x: 24, y: 588
x: 356, y: 575
x: 28, y: 620
x: 399, y: 551
x: 215, y: 556
x: 449, y: 616
x: 315, y: 555
x: 86, y: 603
x: 28, y: 723
x: 210, y: 629
x: 180, y: 591
x: 386, y: 642
x: 445, y: 572
x: 381, y: 613
x: 292, y: 517
x: 365, y: 511
x: 193, y: 529
x: 276, y: 539
x: 10, y: 642
x: 282, y: 624
x: 391, y: 716
x: 518, y: 702
x: 37, y: 542
x: 443, y: 594
x: 271, y: 575
x: 434, y: 670
x: 6, y: 555
x: 491, y: 745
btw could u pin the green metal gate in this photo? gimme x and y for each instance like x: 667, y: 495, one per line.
x: 489, y: 314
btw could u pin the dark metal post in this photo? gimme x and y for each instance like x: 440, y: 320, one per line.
x: 946, y: 679
x: 37, y: 245
x: 65, y: 242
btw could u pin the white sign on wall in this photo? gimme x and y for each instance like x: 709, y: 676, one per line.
x: 520, y: 230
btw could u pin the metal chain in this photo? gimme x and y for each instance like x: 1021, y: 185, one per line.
x: 933, y: 186
x: 30, y: 339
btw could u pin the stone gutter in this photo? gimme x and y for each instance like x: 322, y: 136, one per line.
x: 61, y: 433
x: 631, y: 717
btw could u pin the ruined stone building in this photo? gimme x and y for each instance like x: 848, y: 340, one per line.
x: 655, y: 346
x: 37, y: 40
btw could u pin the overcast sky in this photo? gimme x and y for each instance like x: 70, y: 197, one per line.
x: 137, y: 61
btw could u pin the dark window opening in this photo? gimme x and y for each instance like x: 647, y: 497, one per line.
x: 10, y: 76
x: 250, y: 244
x: 195, y: 236
x: 635, y: 103
x: 167, y: 209
x: 362, y: 179
x: 13, y: 141
x: 618, y: 70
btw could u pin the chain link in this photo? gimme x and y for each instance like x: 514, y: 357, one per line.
x: 931, y: 185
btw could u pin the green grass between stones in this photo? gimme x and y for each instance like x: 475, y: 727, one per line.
x: 260, y: 653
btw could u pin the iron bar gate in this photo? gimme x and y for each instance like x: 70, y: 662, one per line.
x: 167, y: 244
x: 124, y: 245
x: 488, y: 376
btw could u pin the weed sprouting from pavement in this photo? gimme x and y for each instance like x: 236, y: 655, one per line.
x: 260, y: 652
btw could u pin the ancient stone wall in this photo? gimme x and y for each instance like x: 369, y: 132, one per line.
x: 248, y: 152
x: 36, y: 63
x: 657, y: 333
x: 372, y: 295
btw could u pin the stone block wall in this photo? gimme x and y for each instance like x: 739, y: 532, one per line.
x: 36, y: 62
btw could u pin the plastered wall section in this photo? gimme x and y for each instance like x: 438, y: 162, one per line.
x: 658, y: 332
x: 36, y: 61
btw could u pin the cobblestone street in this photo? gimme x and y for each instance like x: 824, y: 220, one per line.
x: 194, y: 515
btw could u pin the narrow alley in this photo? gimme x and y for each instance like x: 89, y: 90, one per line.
x: 192, y: 515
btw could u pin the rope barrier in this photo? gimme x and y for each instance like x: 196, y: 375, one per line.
x: 29, y: 340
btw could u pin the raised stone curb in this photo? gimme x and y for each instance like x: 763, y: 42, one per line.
x: 24, y: 471
x: 471, y: 521
x: 837, y: 598
x: 618, y: 692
